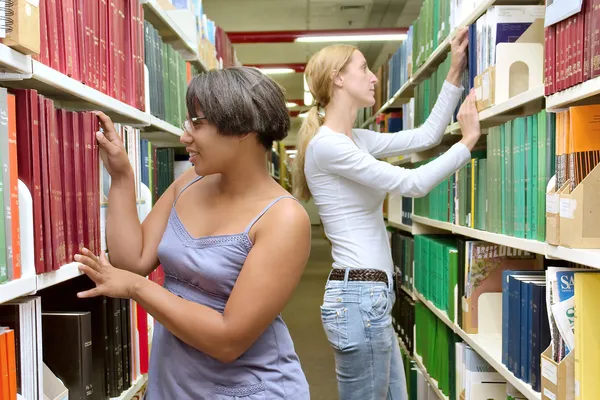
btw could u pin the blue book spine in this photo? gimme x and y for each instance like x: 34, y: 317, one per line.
x: 524, y: 331
x: 514, y: 341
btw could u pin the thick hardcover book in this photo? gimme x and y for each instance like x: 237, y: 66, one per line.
x: 67, y: 343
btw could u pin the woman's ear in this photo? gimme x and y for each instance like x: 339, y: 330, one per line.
x: 337, y: 79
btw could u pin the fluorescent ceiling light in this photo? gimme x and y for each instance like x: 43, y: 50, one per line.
x: 353, y: 38
x: 289, y: 105
x: 303, y: 115
x: 291, y: 151
x: 292, y: 156
x: 275, y: 71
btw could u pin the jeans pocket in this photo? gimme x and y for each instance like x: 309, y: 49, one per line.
x: 255, y: 391
x: 335, y: 323
x: 376, y: 304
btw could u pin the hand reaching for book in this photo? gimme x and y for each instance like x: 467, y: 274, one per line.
x: 468, y: 118
x: 458, y: 62
x: 112, y: 150
x: 110, y: 281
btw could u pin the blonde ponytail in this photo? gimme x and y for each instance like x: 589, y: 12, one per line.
x: 308, y: 130
x: 319, y: 76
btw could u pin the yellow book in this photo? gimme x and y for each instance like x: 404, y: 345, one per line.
x: 587, y: 345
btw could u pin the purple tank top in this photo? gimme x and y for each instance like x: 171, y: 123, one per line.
x: 204, y: 270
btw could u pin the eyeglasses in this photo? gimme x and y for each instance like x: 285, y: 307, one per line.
x: 188, y: 124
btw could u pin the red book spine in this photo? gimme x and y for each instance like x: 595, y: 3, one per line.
x: 49, y: 240
x: 88, y: 15
x: 44, y: 56
x: 84, y: 178
x: 78, y: 177
x: 28, y: 156
x: 141, y: 63
x: 547, y: 82
x: 14, y: 185
x: 142, y: 328
x: 102, y: 38
x: 81, y: 48
x: 587, y: 33
x: 595, y: 45
x: 560, y: 55
x: 55, y: 53
x: 56, y: 189
x: 70, y: 38
x: 569, y: 52
x: 95, y: 127
x: 114, y: 43
x: 63, y: 128
x: 95, y: 24
x: 132, y: 58
x: 123, y: 46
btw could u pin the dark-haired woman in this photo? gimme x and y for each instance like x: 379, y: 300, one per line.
x: 232, y: 242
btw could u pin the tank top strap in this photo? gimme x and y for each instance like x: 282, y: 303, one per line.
x: 196, y: 179
x: 271, y: 204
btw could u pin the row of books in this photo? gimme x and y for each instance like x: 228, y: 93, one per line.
x: 479, y: 285
x: 97, y: 347
x: 427, y: 92
x: 99, y: 43
x: 502, y: 189
x: 46, y: 146
x: 431, y: 28
x: 572, y: 49
x: 47, y: 149
x: 167, y: 77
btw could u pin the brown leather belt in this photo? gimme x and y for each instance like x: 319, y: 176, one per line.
x: 359, y: 274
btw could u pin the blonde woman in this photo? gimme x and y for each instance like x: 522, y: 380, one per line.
x: 338, y: 167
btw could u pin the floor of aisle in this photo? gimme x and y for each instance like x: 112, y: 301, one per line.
x: 303, y: 319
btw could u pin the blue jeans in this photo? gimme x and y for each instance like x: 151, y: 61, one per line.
x: 357, y: 320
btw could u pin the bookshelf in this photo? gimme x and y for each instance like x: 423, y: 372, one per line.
x: 13, y: 62
x: 489, y: 346
x: 18, y: 288
x: 587, y: 92
x: 525, y: 103
x: 432, y: 382
x: 64, y: 273
x: 130, y: 393
x: 171, y: 33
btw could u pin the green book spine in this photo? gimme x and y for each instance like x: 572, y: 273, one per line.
x: 503, y: 183
x: 533, y: 209
x: 508, y: 163
x: 528, y: 157
x: 481, y: 190
x: 542, y: 181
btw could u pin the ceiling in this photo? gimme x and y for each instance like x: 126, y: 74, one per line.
x: 280, y: 15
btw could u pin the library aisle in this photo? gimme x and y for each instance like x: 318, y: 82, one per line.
x: 496, y: 268
x: 303, y: 319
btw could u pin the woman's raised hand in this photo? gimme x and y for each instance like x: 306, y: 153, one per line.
x: 112, y: 150
x: 468, y: 118
x: 458, y: 63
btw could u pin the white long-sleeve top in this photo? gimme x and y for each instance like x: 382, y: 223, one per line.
x: 349, y: 184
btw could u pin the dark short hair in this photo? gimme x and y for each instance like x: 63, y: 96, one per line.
x: 240, y: 100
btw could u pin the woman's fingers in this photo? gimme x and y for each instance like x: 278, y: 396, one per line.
x: 91, y: 273
x: 85, y: 260
x: 89, y: 293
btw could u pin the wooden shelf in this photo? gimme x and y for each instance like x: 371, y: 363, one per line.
x: 533, y: 246
x: 401, y: 226
x: 65, y: 273
x: 132, y: 391
x: 72, y: 94
x: 587, y: 92
x: 588, y: 257
x: 17, y: 288
x: 13, y: 62
x: 432, y: 382
x: 446, y: 226
x: 488, y: 346
x: 526, y: 103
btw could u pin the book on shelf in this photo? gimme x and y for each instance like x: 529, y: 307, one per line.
x: 572, y: 48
